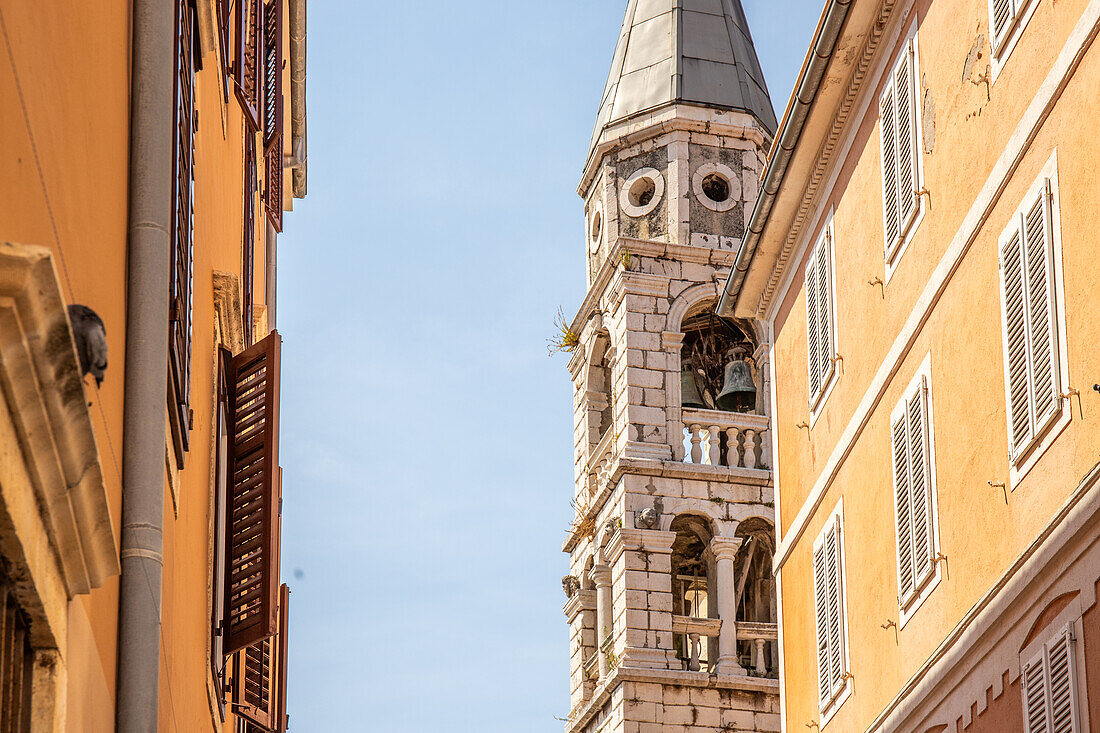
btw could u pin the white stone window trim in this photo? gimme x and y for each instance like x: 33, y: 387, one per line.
x: 825, y: 245
x: 1020, y: 466
x: 835, y: 522
x: 731, y: 178
x: 1003, y: 47
x: 658, y: 192
x: 894, y: 251
x: 909, y: 605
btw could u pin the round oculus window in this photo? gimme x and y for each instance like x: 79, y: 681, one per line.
x: 595, y: 230
x: 716, y: 186
x: 642, y: 192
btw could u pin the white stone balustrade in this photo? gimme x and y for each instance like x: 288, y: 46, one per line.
x: 695, y: 629
x: 759, y: 635
x: 716, y: 438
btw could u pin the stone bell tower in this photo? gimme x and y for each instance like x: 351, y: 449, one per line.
x: 670, y: 599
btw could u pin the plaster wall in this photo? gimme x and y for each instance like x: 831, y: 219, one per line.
x: 980, y: 534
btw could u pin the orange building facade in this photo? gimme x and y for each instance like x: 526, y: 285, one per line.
x: 923, y: 254
x: 150, y: 149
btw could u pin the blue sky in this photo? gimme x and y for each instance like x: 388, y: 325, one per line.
x: 426, y: 435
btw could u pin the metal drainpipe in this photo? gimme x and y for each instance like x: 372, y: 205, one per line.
x: 269, y: 279
x: 146, y: 376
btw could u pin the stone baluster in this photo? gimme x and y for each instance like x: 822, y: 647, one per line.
x: 713, y: 444
x: 694, y: 645
x: 725, y: 550
x: 761, y: 664
x: 601, y: 576
x: 733, y: 459
x: 696, y: 439
x: 750, y: 448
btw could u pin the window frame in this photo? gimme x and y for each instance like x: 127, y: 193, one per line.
x: 909, y: 604
x: 823, y: 246
x: 1021, y: 462
x: 893, y: 251
x: 1001, y: 48
x: 829, y: 707
x: 1068, y: 634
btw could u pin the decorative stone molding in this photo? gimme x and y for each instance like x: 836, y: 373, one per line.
x: 583, y: 600
x: 725, y: 172
x: 639, y: 540
x: 57, y: 451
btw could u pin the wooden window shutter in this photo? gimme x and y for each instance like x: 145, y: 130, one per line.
x: 16, y: 663
x: 1050, y: 687
x: 247, y: 62
x: 253, y: 505
x: 282, y: 720
x: 812, y: 332
x: 1003, y: 14
x: 259, y: 691
x: 1017, y: 377
x: 921, y: 486
x: 225, y: 27
x: 821, y: 605
x: 899, y: 151
x: 221, y: 477
x: 182, y: 245
x: 891, y: 210
x: 1039, y: 275
x: 273, y: 112
x: 902, y: 495
x: 834, y: 591
x: 248, y: 238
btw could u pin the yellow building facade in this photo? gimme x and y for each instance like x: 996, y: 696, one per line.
x: 923, y: 254
x: 149, y: 149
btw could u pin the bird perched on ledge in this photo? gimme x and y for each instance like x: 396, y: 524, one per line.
x: 90, y: 336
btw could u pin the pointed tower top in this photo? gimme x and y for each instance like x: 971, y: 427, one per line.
x: 684, y: 51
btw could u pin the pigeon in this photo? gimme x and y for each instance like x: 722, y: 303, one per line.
x: 90, y: 336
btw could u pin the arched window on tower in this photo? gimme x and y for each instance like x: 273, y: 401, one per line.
x: 600, y: 400
x: 692, y: 583
x: 757, y: 630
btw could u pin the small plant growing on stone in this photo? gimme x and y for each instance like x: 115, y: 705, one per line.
x: 717, y: 500
x: 564, y: 338
x: 627, y: 260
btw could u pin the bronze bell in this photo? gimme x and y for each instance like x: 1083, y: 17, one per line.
x: 739, y: 391
x: 690, y: 395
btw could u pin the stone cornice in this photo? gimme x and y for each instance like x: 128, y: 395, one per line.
x: 582, y: 600
x: 638, y: 540
x: 664, y: 120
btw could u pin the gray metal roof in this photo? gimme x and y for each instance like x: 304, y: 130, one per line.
x: 690, y: 51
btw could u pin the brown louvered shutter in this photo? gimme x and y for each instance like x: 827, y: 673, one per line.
x: 259, y: 691
x: 273, y: 112
x: 224, y: 21
x: 182, y: 246
x: 16, y: 663
x: 248, y: 238
x: 252, y: 527
x: 246, y: 64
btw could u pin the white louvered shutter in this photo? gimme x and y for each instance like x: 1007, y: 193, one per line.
x: 834, y: 591
x: 1003, y: 13
x: 1050, y: 688
x: 906, y: 137
x: 812, y: 348
x: 920, y: 486
x: 1016, y: 342
x: 891, y: 210
x: 1043, y: 355
x: 825, y: 308
x: 821, y: 606
x: 902, y: 495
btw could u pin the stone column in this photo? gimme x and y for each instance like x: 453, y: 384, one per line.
x: 601, y: 576
x: 725, y: 550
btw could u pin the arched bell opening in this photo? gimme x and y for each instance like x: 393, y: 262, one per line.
x: 693, y: 573
x: 717, y: 371
x: 757, y: 614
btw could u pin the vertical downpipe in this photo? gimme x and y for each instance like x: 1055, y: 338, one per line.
x: 146, y: 375
x: 270, y: 243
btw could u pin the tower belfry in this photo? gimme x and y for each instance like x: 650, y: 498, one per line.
x: 669, y: 599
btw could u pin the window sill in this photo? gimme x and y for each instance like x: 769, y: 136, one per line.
x: 1022, y: 466
x: 893, y: 261
x: 909, y: 609
x: 818, y: 406
x: 830, y: 710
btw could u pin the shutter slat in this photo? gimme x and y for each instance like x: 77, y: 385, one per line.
x: 252, y: 522
x: 1040, y: 276
x: 273, y: 112
x: 902, y: 494
x: 1012, y: 277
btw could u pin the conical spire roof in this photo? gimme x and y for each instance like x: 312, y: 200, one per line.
x: 684, y: 51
